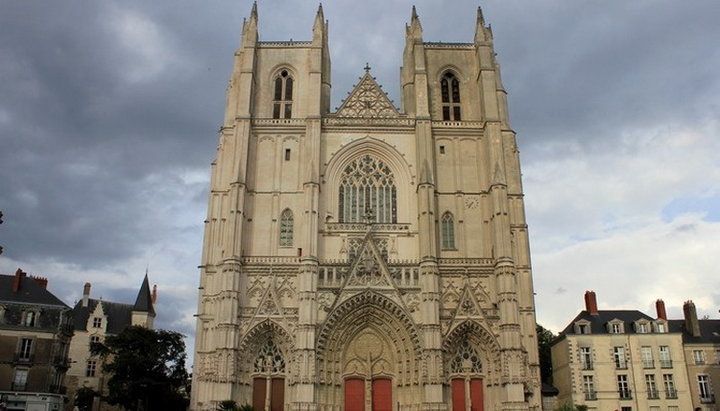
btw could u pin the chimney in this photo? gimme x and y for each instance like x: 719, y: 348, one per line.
x: 660, y: 309
x: 42, y: 281
x: 86, y: 294
x: 591, y: 302
x: 692, y: 325
x: 153, y: 297
x: 17, y: 281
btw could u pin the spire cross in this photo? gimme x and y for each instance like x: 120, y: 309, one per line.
x: 367, y: 67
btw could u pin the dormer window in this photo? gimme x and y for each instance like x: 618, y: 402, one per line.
x: 642, y: 327
x: 582, y: 327
x: 282, y: 97
x: 30, y: 318
x: 450, y: 95
x: 660, y: 327
x: 615, y: 327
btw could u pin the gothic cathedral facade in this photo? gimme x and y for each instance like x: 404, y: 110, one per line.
x: 371, y: 258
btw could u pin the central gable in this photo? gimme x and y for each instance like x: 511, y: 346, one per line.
x: 367, y: 100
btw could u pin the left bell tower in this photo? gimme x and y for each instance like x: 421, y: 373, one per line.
x: 266, y: 170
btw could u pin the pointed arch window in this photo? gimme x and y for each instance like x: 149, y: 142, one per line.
x: 367, y: 192
x: 450, y: 94
x: 283, y: 95
x: 447, y: 231
x: 286, y: 228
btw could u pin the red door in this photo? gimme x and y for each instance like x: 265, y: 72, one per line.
x: 277, y: 394
x: 476, y: 394
x: 354, y: 394
x: 458, y: 394
x: 258, y: 402
x: 382, y: 395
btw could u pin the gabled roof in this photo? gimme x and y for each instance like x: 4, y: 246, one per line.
x: 119, y: 316
x: 143, y: 302
x: 598, y: 321
x: 709, y: 331
x: 367, y: 100
x: 30, y: 292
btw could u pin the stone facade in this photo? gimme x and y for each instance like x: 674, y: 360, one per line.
x: 372, y: 257
x: 94, y: 320
x: 35, y: 332
x: 626, y: 360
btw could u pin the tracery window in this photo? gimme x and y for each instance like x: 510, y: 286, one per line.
x: 447, y: 231
x: 465, y: 359
x: 367, y: 192
x: 286, y: 228
x: 282, y: 99
x: 450, y: 94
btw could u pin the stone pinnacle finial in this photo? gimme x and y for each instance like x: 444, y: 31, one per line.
x: 367, y: 67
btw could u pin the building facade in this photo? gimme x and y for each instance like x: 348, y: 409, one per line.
x: 94, y: 320
x: 35, y: 332
x: 373, y: 257
x: 626, y: 360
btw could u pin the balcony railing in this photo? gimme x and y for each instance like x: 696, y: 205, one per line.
x: 23, y: 358
x: 665, y: 363
x: 590, y: 395
x: 653, y: 394
x: 648, y: 364
x: 671, y: 393
x: 707, y: 399
x: 625, y: 393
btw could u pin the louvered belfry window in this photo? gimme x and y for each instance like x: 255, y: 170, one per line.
x: 450, y: 93
x: 282, y: 99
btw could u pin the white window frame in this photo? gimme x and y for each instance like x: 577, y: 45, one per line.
x: 586, y: 360
x: 646, y: 356
x: 619, y: 357
x: 699, y: 357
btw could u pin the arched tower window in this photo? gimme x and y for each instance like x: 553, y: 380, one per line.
x: 447, y: 231
x: 286, y: 228
x: 282, y: 100
x: 367, y: 192
x: 450, y: 92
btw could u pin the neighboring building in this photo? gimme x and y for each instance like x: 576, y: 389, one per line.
x: 626, y: 360
x: 701, y: 342
x: 94, y: 320
x: 35, y: 332
x: 371, y: 257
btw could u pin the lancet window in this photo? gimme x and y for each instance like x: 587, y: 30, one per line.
x: 283, y: 95
x: 447, y: 231
x: 367, y: 192
x: 450, y: 94
x: 286, y: 228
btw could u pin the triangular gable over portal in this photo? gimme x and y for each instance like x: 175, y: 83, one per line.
x: 367, y: 100
x: 369, y: 269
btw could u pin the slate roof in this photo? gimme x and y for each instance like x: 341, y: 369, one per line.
x: 143, y: 302
x: 119, y: 316
x: 30, y: 292
x: 709, y: 331
x: 598, y: 321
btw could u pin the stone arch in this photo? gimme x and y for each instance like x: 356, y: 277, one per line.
x: 482, y: 341
x: 253, y: 342
x: 452, y: 69
x: 401, y: 169
x: 369, y: 336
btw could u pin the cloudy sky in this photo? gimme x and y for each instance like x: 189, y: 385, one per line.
x: 109, y: 112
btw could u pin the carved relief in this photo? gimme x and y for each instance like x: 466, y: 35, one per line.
x: 367, y: 100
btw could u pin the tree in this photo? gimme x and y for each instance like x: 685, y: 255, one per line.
x: 146, y: 368
x: 545, y: 338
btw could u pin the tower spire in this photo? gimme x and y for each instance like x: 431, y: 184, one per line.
x: 415, y: 28
x: 249, y: 32
x: 482, y: 33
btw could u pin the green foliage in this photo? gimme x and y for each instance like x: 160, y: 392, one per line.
x: 568, y: 407
x: 545, y: 338
x: 146, y: 368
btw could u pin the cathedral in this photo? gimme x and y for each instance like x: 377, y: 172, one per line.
x: 373, y: 257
